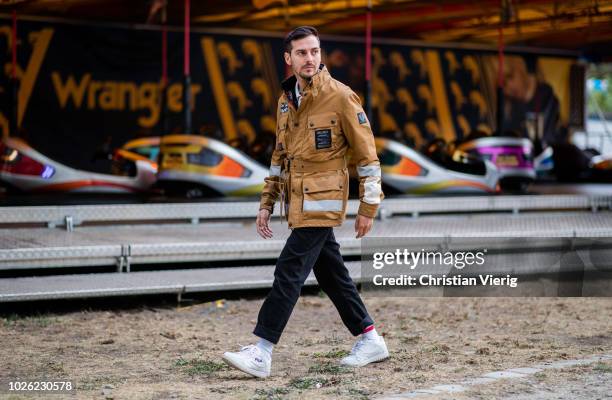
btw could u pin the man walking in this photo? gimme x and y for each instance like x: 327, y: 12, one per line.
x: 318, y: 120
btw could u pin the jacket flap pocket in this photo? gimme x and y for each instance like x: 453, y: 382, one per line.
x: 322, y: 119
x: 282, y: 122
x: 322, y: 183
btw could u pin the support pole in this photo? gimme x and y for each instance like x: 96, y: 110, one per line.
x: 14, y: 109
x: 186, y: 72
x: 164, y: 77
x: 500, y: 71
x: 368, y: 61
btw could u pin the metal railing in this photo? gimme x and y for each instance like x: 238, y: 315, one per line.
x: 72, y: 216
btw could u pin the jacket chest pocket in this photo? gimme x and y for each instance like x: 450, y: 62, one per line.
x: 281, y: 134
x: 324, y: 195
x: 323, y: 132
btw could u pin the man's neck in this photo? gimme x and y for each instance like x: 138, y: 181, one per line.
x: 302, y: 83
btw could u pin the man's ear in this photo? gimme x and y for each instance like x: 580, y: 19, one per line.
x: 287, y: 58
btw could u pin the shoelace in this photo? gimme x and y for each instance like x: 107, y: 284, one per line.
x: 253, y: 351
x: 358, y: 345
x: 249, y: 348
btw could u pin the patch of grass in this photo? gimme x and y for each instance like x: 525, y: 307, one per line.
x: 270, y: 394
x: 39, y: 320
x: 329, y: 368
x: 308, y: 382
x: 55, y: 366
x: 10, y: 320
x: 97, y: 382
x: 417, y: 378
x: 601, y: 367
x: 438, y: 348
x: 540, y: 376
x: 362, y: 394
x: 224, y: 390
x: 352, y: 393
x: 410, y: 339
x: 332, y: 340
x: 521, y: 345
x: 199, y: 367
x: 43, y: 321
x: 305, y: 342
x: 334, y: 353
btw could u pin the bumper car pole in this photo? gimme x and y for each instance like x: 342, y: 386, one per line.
x: 164, y: 78
x: 368, y: 61
x: 14, y: 117
x: 500, y: 71
x: 187, y: 77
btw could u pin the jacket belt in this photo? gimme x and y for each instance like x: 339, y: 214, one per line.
x: 298, y: 165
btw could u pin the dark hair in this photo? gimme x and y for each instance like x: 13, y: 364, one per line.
x: 297, y: 34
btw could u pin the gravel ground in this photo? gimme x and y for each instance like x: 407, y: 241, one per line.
x: 175, y: 352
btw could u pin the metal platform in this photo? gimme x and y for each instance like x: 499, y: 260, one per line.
x: 158, y: 238
x: 536, y: 261
x: 177, y: 282
x: 127, y: 245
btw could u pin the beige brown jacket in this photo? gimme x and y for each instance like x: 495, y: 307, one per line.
x: 308, y: 168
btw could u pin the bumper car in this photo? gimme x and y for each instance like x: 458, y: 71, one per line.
x: 544, y: 164
x: 144, y: 150
x: 601, y: 163
x: 511, y: 155
x: 572, y: 164
x: 404, y: 170
x: 24, y: 169
x: 196, y: 166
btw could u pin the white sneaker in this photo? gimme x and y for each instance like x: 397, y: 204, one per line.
x: 366, y: 351
x: 250, y: 359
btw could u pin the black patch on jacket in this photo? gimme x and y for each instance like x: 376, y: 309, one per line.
x: 323, y: 138
x: 361, y: 117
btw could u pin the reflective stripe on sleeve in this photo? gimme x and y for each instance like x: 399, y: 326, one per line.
x: 322, y: 205
x: 368, y: 170
x: 275, y: 170
x: 372, y: 190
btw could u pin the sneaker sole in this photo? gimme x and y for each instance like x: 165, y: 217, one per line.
x: 255, y: 373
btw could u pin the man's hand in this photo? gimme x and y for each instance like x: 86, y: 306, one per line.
x: 263, y: 217
x: 363, y: 225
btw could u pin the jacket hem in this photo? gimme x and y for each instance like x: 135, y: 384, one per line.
x: 313, y: 224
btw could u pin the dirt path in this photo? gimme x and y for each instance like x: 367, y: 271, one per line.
x: 174, y: 353
x: 590, y: 382
x: 586, y: 382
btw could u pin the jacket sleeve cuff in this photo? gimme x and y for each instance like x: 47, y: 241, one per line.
x: 367, y: 210
x: 267, y: 206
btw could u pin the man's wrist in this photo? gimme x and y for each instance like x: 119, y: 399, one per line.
x: 271, y: 209
x: 367, y: 210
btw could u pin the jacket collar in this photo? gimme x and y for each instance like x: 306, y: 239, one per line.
x: 316, y: 81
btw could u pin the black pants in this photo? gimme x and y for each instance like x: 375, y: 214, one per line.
x: 307, y: 249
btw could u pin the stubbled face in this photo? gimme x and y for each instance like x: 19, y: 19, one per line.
x: 305, y: 57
